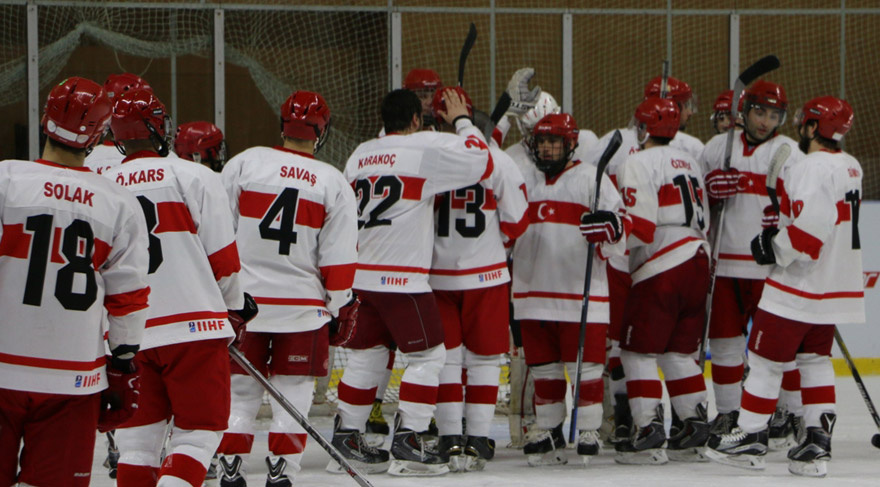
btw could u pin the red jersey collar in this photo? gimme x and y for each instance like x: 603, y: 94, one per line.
x: 552, y: 180
x: 285, y: 149
x: 141, y: 154
x: 835, y: 151
x: 62, y: 166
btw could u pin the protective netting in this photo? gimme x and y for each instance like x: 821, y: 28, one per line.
x: 342, y: 50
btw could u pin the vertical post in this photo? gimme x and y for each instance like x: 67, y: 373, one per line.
x: 669, y: 33
x: 173, y: 27
x: 219, y: 71
x: 843, y: 49
x: 395, y: 51
x: 33, y: 76
x: 733, y: 51
x: 492, y: 53
x: 567, y: 52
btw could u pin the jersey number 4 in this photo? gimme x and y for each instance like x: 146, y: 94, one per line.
x: 77, y: 246
x: 283, y: 209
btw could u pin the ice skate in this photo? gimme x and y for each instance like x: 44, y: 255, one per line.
x: 276, y: 476
x: 588, y: 445
x: 687, y: 439
x: 810, y: 458
x: 622, y: 421
x: 782, y: 435
x: 451, y: 448
x: 352, y: 445
x: 377, y: 427
x: 233, y: 471
x: 645, y: 447
x: 724, y: 423
x: 477, y: 452
x: 546, y: 448
x: 211, y: 475
x: 739, y: 449
x: 413, y: 456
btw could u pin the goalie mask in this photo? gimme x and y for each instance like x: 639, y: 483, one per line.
x: 120, y: 83
x: 545, y: 105
x: 657, y: 117
x: 764, y: 105
x: 139, y: 115
x: 438, y: 104
x: 306, y: 116
x: 77, y: 113
x: 554, y: 139
x: 201, y: 142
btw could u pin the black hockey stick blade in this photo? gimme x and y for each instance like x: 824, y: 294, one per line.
x: 776, y: 163
x: 498, y: 112
x: 759, y: 68
x: 465, y: 50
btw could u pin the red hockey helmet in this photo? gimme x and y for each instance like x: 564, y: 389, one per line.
x: 675, y: 89
x: 834, y: 116
x: 765, y: 93
x: 554, y: 125
x: 561, y: 124
x: 659, y: 116
x: 138, y: 115
x: 422, y: 79
x: 438, y: 103
x: 120, y: 83
x: 201, y: 142
x: 306, y: 116
x: 77, y: 113
x: 724, y: 102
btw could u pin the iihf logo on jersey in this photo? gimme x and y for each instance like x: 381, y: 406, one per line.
x: 207, y: 325
x: 87, y: 381
x: 393, y: 281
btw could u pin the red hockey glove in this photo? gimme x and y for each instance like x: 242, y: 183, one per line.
x: 602, y: 226
x: 762, y: 246
x: 120, y: 400
x: 771, y: 217
x: 240, y: 317
x: 342, y: 327
x: 724, y: 184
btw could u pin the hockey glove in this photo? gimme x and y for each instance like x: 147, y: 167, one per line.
x: 724, y: 184
x: 771, y: 217
x: 240, y: 317
x: 522, y: 99
x: 342, y: 327
x: 762, y: 246
x: 120, y: 400
x: 602, y: 226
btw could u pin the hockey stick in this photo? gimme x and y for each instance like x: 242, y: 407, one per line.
x: 875, y: 440
x: 779, y: 158
x: 285, y: 404
x: 465, y: 50
x: 500, y: 109
x: 753, y: 72
x: 613, y: 145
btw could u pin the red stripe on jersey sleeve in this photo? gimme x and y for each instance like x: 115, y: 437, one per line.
x: 489, y: 203
x: 173, y: 216
x: 100, y: 253
x: 225, y: 262
x: 844, y: 212
x: 252, y: 204
x: 804, y: 242
x: 668, y: 195
x: 48, y: 363
x: 338, y: 277
x: 412, y: 187
x: 490, y: 166
x: 643, y: 228
x: 556, y: 212
x: 614, y: 181
x: 497, y: 136
x: 515, y: 230
x: 15, y: 242
x: 125, y: 303
x: 309, y: 213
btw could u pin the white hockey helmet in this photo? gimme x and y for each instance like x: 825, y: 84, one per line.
x: 545, y: 105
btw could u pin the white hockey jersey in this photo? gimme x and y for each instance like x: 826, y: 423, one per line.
x: 103, y: 157
x: 193, y: 257
x: 687, y: 143
x: 665, y: 198
x: 473, y: 225
x: 818, y: 273
x: 550, y: 258
x: 395, y: 179
x: 296, y: 228
x: 743, y: 212
x: 72, y: 244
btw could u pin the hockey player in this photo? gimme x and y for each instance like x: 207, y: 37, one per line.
x: 815, y: 282
x: 395, y: 178
x: 470, y: 279
x: 296, y: 228
x: 424, y: 83
x: 721, y: 111
x: 56, y: 387
x: 739, y: 280
x: 681, y: 93
x: 105, y: 155
x: 201, y: 142
x: 548, y: 280
x: 662, y: 325
x: 194, y: 276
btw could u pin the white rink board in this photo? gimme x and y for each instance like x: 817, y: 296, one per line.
x: 863, y: 340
